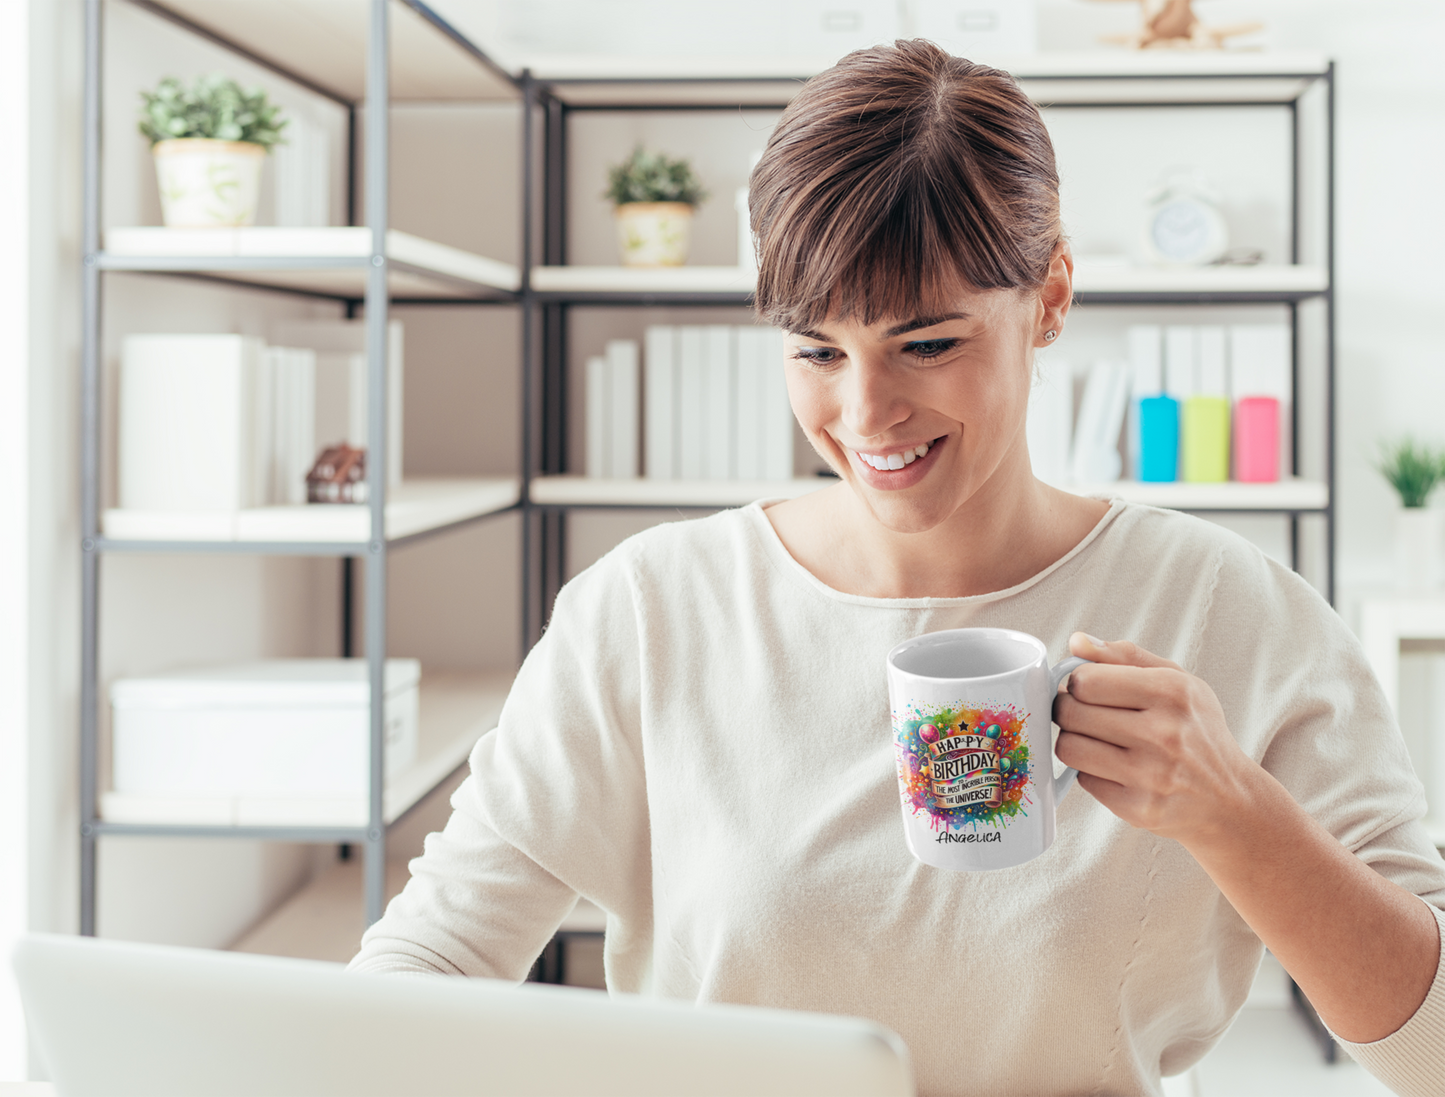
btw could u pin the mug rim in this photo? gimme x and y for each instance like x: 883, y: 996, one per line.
x: 1042, y: 653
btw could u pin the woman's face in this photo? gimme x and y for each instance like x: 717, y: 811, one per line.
x: 920, y: 413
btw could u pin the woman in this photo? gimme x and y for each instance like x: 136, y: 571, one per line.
x: 700, y: 742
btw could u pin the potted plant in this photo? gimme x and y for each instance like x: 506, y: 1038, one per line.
x: 654, y: 197
x: 209, y: 142
x: 1414, y: 470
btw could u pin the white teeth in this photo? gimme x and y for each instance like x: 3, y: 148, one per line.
x: 895, y: 460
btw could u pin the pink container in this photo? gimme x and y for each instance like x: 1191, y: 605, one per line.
x: 1256, y: 440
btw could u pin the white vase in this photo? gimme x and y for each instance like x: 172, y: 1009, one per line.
x: 654, y: 234
x: 208, y: 184
x: 1419, y: 549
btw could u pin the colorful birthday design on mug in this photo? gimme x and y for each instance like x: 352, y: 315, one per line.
x: 964, y: 766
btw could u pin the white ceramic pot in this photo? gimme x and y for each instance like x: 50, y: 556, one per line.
x: 1419, y: 549
x: 654, y: 234
x: 208, y: 184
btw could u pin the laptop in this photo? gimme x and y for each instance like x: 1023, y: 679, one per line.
x: 117, y: 1018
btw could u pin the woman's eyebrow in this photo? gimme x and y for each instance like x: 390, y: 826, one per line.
x: 922, y: 322
x: 915, y: 324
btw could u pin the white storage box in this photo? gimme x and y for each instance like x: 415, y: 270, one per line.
x: 278, y: 729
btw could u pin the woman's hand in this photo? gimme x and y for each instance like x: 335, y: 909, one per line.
x: 1150, y: 742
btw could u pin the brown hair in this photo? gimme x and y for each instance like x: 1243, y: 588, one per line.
x: 891, y: 176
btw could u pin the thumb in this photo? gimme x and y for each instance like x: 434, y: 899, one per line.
x: 1124, y: 653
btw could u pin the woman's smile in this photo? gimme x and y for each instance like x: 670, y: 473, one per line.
x: 892, y: 468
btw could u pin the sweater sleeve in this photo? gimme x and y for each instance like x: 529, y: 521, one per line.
x: 555, y: 807
x: 1301, y: 697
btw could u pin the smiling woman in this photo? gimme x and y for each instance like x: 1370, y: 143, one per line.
x: 701, y: 743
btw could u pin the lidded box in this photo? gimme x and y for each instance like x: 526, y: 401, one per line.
x: 275, y: 728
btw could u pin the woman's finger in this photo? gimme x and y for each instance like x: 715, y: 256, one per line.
x: 1116, y: 652
x: 1089, y: 755
x: 1113, y: 725
x: 1125, y: 686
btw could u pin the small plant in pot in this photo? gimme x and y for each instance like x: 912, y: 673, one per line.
x: 209, y: 142
x: 655, y: 197
x: 1414, y: 470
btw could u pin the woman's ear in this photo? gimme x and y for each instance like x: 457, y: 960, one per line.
x: 1055, y: 297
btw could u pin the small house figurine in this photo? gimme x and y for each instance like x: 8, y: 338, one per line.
x: 1172, y: 24
x: 339, y: 476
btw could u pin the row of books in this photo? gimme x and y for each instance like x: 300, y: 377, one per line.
x: 690, y: 403
x: 220, y: 422
x: 1200, y: 403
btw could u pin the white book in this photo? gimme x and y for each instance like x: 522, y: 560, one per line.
x: 1050, y: 423
x: 1180, y: 361
x: 1146, y: 379
x: 1260, y: 361
x: 625, y: 398
x: 660, y: 408
x: 777, y: 410
x: 1101, y: 416
x: 718, y: 388
x: 748, y: 413
x: 348, y: 337
x: 1260, y: 365
x: 599, y: 418
x: 1146, y: 359
x: 187, y: 422
x: 691, y: 412
x: 294, y: 448
x: 1212, y: 372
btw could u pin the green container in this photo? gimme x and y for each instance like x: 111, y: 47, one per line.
x: 1205, y: 442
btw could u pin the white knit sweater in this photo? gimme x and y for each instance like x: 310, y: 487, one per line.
x: 700, y: 745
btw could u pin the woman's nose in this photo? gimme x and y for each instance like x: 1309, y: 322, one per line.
x: 873, y: 400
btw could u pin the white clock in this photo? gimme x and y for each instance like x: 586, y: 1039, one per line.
x: 1184, y: 225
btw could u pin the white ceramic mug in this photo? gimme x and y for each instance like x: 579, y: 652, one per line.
x: 972, y: 719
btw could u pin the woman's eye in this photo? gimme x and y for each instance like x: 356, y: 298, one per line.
x: 930, y: 348
x: 816, y: 356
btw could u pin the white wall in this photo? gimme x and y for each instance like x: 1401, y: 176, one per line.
x: 15, y: 118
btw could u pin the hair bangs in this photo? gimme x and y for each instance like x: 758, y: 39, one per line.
x: 894, y: 181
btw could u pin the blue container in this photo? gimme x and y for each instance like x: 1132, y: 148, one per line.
x: 1159, y: 439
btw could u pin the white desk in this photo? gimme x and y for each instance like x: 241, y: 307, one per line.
x: 1384, y: 622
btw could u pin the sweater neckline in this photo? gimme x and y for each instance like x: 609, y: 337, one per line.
x: 779, y: 556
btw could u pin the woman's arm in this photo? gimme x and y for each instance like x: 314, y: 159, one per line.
x: 1151, y: 744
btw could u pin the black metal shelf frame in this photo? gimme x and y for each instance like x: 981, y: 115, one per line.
x: 545, y: 314
x: 375, y: 301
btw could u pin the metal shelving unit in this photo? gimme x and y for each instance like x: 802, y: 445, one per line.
x: 361, y: 267
x: 553, y: 287
x: 366, y: 266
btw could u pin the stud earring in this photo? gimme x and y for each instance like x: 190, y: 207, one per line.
x: 1050, y: 336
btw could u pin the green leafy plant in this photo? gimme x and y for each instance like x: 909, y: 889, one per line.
x: 1412, y: 469
x: 215, y: 107
x: 653, y: 177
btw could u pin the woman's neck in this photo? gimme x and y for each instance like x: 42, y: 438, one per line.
x: 1012, y: 528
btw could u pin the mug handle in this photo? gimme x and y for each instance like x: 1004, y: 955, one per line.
x: 1062, y: 670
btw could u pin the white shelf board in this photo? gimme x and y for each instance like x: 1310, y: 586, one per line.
x: 1112, y: 76
x: 1290, y: 494
x: 584, y: 491
x: 587, y: 490
x: 415, y: 507
x: 1089, y: 277
x: 325, y: 42
x: 631, y: 280
x: 1264, y: 278
x: 418, y: 267
x: 456, y: 710
x: 325, y: 919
